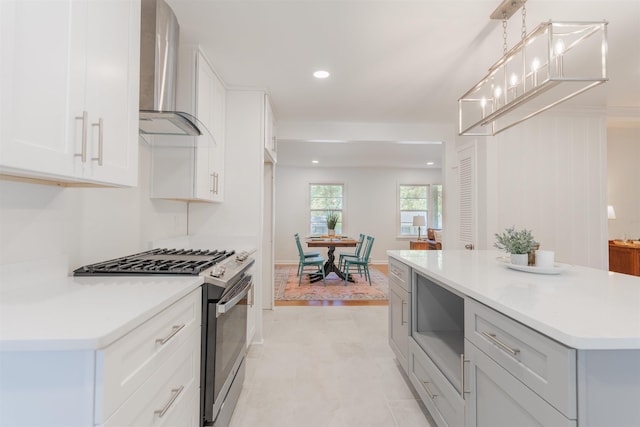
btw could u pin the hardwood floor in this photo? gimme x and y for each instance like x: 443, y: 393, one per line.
x: 383, y: 268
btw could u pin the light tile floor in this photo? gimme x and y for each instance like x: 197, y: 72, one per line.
x: 326, y: 367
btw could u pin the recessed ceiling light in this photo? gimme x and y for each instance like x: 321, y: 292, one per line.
x: 315, y: 162
x: 321, y: 74
x: 430, y: 163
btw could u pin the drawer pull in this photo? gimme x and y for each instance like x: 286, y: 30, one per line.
x: 174, y: 395
x: 496, y: 341
x: 402, y: 321
x: 426, y: 387
x: 174, y: 330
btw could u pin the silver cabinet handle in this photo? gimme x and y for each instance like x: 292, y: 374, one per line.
x: 496, y: 341
x: 214, y: 182
x: 273, y: 139
x: 174, y: 330
x: 83, y: 153
x: 463, y: 378
x: 174, y: 395
x: 426, y: 387
x: 469, y: 246
x: 402, y: 321
x: 100, y: 125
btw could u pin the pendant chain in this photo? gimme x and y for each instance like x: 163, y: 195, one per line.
x: 524, y: 20
x: 504, y: 32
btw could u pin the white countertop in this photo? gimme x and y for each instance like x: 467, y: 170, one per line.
x: 583, y: 308
x: 45, y: 309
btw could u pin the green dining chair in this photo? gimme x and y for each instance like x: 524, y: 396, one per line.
x: 361, y: 262
x: 355, y: 254
x: 309, y: 254
x: 305, y: 261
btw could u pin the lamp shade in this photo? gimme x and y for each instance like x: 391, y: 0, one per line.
x: 611, y: 213
x: 418, y: 221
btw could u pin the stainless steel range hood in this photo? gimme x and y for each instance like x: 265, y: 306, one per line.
x: 159, y: 40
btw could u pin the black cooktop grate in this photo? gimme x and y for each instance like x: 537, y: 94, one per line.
x: 157, y: 261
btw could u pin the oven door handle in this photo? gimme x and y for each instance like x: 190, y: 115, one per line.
x: 239, y: 292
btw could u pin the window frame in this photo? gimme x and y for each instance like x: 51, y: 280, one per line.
x: 430, y: 212
x: 341, y: 225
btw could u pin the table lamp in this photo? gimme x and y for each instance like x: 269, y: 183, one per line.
x: 418, y: 221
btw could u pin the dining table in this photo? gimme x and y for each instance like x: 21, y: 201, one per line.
x: 331, y: 243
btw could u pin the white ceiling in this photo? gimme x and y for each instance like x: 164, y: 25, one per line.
x: 391, y: 61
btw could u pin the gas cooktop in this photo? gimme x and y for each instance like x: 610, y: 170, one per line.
x: 157, y: 261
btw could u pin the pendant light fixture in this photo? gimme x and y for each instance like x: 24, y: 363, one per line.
x: 555, y: 62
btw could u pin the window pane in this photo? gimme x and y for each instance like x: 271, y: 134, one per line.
x: 436, y: 205
x: 325, y: 198
x: 414, y: 201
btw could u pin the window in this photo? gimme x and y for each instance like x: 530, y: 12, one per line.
x: 419, y: 200
x: 325, y: 198
x: 436, y: 206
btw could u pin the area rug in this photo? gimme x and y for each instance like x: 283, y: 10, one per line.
x: 287, y: 289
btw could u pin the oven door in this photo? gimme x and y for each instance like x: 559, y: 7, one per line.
x: 226, y: 344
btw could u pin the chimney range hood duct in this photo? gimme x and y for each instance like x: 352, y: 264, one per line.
x: 159, y: 38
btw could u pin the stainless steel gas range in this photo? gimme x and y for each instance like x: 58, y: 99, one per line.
x: 227, y: 293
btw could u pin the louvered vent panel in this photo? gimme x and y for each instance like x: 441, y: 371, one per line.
x: 466, y: 200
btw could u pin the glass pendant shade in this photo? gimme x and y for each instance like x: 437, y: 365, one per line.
x: 555, y: 62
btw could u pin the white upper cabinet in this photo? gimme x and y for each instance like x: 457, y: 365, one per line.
x: 192, y: 168
x: 70, y: 77
x: 270, y: 139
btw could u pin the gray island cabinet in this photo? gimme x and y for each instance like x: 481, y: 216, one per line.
x: 488, y: 346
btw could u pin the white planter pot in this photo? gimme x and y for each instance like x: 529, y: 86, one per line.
x: 520, y: 259
x: 332, y: 232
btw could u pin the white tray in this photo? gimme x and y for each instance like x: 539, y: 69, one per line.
x: 556, y: 269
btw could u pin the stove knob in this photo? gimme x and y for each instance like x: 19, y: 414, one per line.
x: 218, y: 271
x: 242, y: 256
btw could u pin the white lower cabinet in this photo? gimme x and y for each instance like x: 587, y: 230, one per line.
x: 148, y: 377
x: 148, y: 363
x: 497, y: 399
x: 170, y: 396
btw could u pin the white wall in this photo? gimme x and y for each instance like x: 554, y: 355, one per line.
x: 623, y: 158
x: 85, y: 224
x: 548, y: 174
x: 370, y: 204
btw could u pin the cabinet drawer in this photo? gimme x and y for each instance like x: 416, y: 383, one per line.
x: 124, y: 366
x: 169, y: 396
x: 498, y: 399
x: 399, y: 273
x: 443, y: 401
x: 545, y: 366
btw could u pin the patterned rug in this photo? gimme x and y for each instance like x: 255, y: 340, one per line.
x: 287, y: 289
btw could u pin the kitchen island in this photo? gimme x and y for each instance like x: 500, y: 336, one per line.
x: 85, y: 351
x: 561, y: 349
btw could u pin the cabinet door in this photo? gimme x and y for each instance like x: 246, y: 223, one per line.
x: 208, y: 111
x: 399, y: 323
x: 112, y: 100
x: 42, y: 92
x: 216, y: 157
x: 497, y: 399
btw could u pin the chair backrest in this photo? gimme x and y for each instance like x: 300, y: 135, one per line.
x: 300, y: 251
x: 359, y: 245
x: 367, y: 249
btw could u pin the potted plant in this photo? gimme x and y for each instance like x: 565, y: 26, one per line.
x: 518, y: 243
x: 332, y: 221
